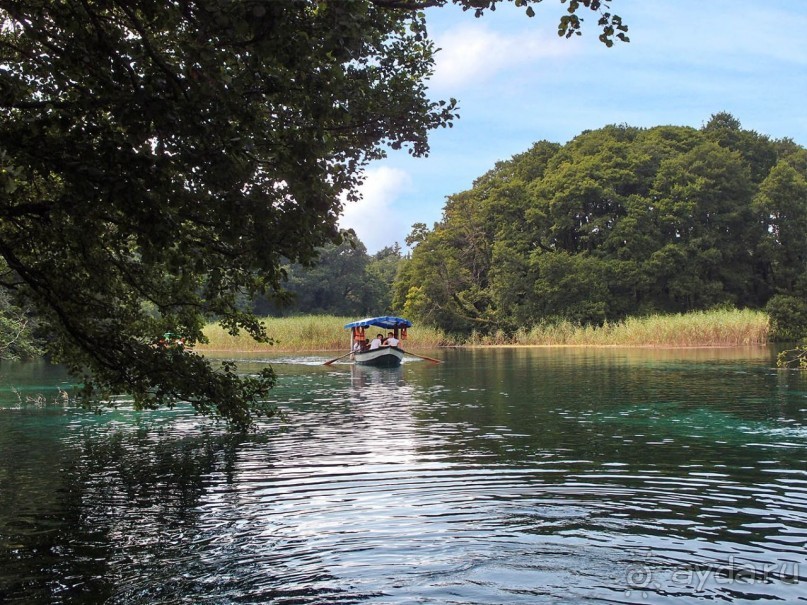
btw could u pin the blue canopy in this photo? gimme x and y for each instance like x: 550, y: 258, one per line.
x: 387, y: 322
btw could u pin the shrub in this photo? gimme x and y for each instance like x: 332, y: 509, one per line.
x: 788, y: 316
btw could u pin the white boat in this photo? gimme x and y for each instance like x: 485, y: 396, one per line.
x: 382, y: 357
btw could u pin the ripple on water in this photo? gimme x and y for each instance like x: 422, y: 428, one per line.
x: 452, y: 494
x: 324, y: 520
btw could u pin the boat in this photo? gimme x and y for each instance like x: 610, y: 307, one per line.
x: 385, y: 356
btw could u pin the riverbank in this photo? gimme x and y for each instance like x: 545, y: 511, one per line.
x: 718, y: 328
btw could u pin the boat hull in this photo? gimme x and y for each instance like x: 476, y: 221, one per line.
x: 384, y: 357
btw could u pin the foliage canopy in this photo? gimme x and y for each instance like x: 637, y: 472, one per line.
x: 619, y: 221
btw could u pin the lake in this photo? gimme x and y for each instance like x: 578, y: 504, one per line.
x: 524, y: 475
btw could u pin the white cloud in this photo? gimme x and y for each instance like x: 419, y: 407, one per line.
x: 374, y: 218
x: 472, y: 53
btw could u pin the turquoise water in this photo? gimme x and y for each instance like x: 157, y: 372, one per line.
x: 499, y: 476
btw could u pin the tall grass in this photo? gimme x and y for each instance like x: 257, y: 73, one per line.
x: 719, y: 328
x: 308, y: 333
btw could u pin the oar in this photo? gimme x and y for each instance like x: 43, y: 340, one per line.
x: 432, y: 359
x: 327, y: 363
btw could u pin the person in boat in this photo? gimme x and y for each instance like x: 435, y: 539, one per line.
x: 391, y: 341
x: 376, y: 342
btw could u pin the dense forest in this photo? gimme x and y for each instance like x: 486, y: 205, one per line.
x: 619, y: 221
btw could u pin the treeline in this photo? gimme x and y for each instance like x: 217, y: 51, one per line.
x: 345, y: 281
x: 619, y: 222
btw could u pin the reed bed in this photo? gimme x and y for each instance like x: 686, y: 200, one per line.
x: 717, y: 328
x: 308, y: 333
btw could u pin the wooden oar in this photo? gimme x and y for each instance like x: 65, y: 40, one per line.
x: 432, y: 359
x: 327, y: 363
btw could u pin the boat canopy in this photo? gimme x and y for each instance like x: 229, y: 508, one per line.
x: 387, y: 322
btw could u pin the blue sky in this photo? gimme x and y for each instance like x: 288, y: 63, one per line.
x: 517, y: 82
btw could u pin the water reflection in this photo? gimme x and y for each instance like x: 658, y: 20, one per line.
x: 499, y: 476
x: 367, y: 377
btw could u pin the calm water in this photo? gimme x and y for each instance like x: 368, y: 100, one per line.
x: 500, y: 476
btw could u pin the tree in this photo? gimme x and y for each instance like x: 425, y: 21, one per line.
x: 782, y: 203
x: 345, y: 280
x: 335, y: 284
x: 703, y: 200
x: 435, y: 285
x: 379, y: 277
x: 757, y: 150
x: 160, y: 160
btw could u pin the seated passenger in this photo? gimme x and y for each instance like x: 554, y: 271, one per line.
x: 376, y: 342
x: 391, y: 340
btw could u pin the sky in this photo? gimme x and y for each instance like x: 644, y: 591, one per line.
x: 517, y: 83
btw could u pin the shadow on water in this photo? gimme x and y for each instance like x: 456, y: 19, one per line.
x: 514, y: 475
